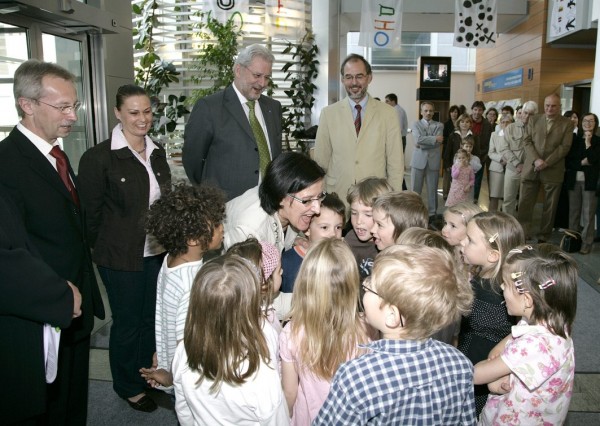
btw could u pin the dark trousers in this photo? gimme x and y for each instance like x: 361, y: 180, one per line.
x: 68, y: 394
x: 132, y: 298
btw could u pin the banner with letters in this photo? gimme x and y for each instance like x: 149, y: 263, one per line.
x: 475, y: 23
x: 284, y: 19
x: 221, y: 10
x: 381, y: 24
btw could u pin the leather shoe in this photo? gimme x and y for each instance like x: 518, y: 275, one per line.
x: 585, y: 249
x: 145, y: 404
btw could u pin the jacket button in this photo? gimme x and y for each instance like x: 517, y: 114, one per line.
x: 122, y: 179
x: 158, y: 174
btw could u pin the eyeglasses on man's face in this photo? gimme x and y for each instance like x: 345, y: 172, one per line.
x: 257, y: 75
x: 66, y: 109
x: 306, y: 201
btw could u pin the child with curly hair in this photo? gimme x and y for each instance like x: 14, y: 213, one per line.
x: 187, y: 222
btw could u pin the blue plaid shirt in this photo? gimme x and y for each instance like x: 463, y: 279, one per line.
x: 402, y: 382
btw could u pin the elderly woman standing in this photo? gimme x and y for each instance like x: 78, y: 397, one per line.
x: 583, y: 169
x: 119, y: 179
x: 288, y: 197
x: 514, y: 155
x: 497, y: 164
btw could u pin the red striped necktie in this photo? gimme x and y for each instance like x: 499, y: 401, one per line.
x: 357, y: 120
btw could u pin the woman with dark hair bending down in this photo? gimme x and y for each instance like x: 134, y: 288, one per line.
x: 288, y: 197
x: 118, y: 180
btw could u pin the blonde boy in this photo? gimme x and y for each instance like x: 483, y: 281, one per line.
x: 407, y: 378
x: 360, y: 199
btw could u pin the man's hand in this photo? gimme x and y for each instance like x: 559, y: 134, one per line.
x: 76, y: 300
x: 539, y: 165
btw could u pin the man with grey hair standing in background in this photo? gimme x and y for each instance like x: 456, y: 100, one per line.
x: 232, y: 135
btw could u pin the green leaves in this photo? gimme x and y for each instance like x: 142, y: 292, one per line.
x: 301, y: 71
x: 217, y: 54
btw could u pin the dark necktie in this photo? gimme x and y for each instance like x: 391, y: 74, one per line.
x: 357, y: 120
x: 62, y: 167
x: 261, y: 141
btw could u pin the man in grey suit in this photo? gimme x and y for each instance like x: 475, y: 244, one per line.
x: 547, y: 141
x: 428, y: 136
x: 229, y: 136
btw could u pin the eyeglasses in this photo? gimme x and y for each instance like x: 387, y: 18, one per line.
x: 319, y: 198
x: 357, y: 77
x: 63, y: 109
x: 584, y: 121
x: 257, y: 75
x: 370, y: 290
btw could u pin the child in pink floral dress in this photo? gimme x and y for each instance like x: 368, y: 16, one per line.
x: 531, y: 372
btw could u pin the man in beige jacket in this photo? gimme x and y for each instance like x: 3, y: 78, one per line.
x: 358, y: 136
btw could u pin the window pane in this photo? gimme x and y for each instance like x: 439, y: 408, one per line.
x: 13, y: 51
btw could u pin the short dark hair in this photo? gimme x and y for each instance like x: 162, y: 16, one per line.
x: 509, y: 109
x: 392, y: 97
x: 479, y: 104
x: 126, y: 91
x: 333, y: 202
x: 354, y: 57
x: 186, y: 213
x: 288, y: 173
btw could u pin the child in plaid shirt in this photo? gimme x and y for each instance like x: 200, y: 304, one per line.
x: 407, y: 378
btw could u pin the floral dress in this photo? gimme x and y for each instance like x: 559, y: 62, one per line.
x: 542, y: 372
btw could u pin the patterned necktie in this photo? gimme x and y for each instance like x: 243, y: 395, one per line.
x: 62, y: 167
x: 357, y: 120
x: 261, y: 140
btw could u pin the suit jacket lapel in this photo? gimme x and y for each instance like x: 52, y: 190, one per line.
x: 235, y: 108
x: 40, y: 165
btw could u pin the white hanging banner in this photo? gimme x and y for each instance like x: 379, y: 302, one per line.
x: 475, y: 23
x: 221, y: 10
x: 284, y: 18
x: 562, y: 20
x: 381, y: 24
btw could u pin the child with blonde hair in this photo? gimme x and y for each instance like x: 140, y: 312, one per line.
x: 393, y: 213
x: 226, y: 369
x: 490, y: 236
x: 325, y: 330
x: 455, y: 226
x: 540, y: 286
x: 359, y: 238
x: 429, y: 238
x: 407, y: 377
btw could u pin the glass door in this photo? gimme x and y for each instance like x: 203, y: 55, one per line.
x: 21, y: 39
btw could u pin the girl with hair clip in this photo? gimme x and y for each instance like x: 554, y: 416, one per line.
x: 325, y: 330
x: 226, y: 369
x: 456, y: 218
x: 266, y: 259
x: 490, y: 236
x: 532, y: 370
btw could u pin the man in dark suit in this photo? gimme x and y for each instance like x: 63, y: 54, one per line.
x: 547, y: 142
x: 482, y: 130
x: 32, y: 295
x: 221, y: 145
x: 31, y: 163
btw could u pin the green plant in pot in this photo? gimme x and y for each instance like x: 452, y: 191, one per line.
x: 301, y: 72
x: 216, y: 57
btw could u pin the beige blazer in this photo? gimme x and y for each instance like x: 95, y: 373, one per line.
x: 348, y: 158
x: 552, y: 147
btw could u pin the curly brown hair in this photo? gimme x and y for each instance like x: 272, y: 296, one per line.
x: 186, y: 213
